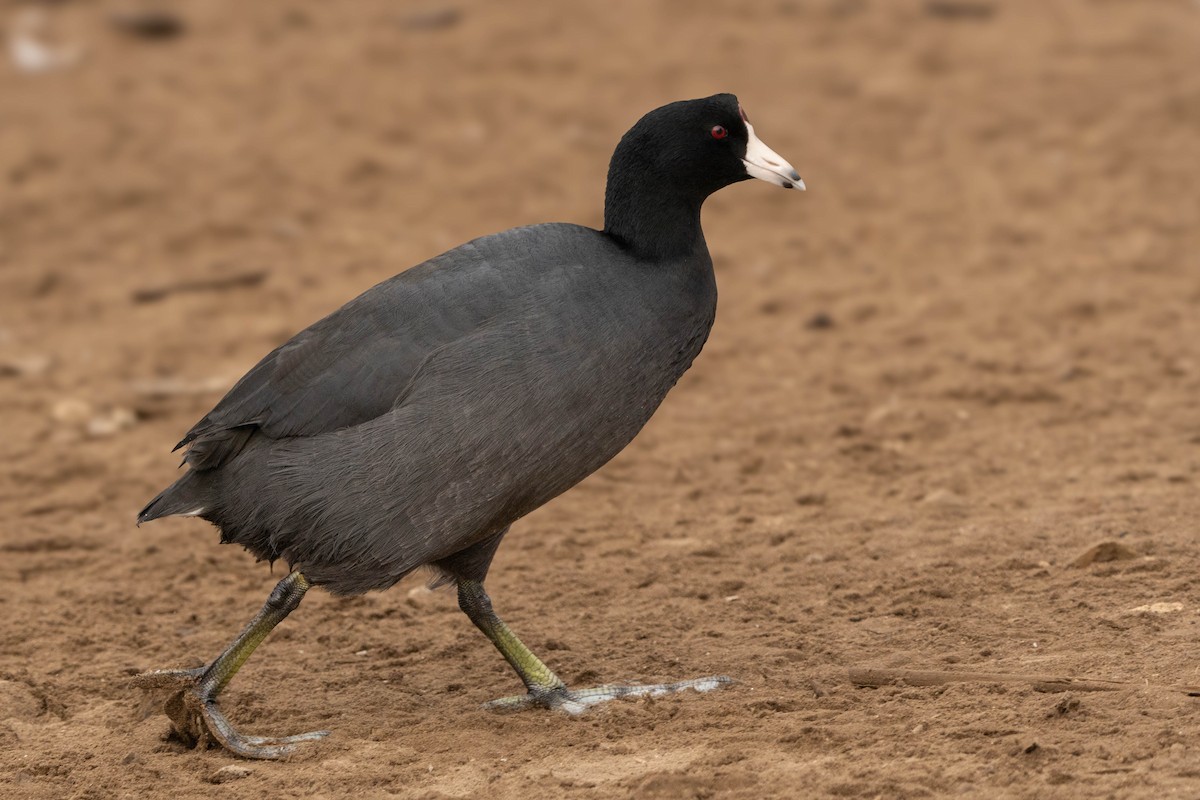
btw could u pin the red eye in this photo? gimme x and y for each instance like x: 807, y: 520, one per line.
x: 718, y: 132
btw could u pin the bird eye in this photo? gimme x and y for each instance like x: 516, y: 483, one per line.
x: 719, y: 132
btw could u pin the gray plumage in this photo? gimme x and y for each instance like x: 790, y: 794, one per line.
x: 416, y: 423
x: 440, y: 406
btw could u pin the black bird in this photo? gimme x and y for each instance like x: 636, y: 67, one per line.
x: 415, y: 424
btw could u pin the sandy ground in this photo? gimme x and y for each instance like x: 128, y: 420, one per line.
x: 968, y: 354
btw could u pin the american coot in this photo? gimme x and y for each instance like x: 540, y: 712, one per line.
x: 415, y: 424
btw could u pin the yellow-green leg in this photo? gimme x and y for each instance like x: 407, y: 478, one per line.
x: 543, y: 687
x: 192, y: 706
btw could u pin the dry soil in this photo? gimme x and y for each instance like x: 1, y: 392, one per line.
x: 968, y: 354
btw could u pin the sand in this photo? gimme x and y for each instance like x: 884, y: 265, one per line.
x: 967, y: 355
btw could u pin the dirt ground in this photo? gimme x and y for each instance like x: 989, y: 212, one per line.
x: 969, y: 353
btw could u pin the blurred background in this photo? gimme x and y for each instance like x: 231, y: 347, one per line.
x: 970, y: 352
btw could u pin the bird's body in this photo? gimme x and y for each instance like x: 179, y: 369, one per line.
x: 415, y: 424
x: 461, y: 395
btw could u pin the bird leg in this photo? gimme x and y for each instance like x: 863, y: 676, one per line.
x: 544, y: 688
x: 192, y: 705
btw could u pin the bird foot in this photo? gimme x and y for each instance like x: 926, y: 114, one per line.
x: 576, y: 702
x: 198, y: 720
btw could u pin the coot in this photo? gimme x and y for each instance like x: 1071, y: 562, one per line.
x: 415, y: 424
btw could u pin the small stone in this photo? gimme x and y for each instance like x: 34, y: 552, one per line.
x: 230, y: 772
x: 28, y: 48
x: 1103, y: 553
x: 114, y: 421
x: 71, y: 411
x: 1066, y: 706
x: 1158, y: 608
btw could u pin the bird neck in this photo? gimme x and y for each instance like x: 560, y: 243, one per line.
x: 648, y: 214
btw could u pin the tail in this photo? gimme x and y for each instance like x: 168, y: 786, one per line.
x: 185, y: 497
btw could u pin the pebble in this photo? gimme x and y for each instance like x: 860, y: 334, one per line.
x: 1158, y: 608
x: 71, y: 411
x: 111, y: 422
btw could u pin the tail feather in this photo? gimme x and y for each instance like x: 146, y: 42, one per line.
x: 186, y: 496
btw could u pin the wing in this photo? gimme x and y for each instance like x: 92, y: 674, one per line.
x: 325, y: 378
x: 354, y: 365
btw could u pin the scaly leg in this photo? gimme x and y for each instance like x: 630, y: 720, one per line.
x: 192, y: 706
x: 544, y: 687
